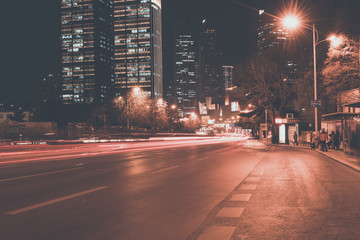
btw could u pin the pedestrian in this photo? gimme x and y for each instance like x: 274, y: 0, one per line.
x: 322, y: 139
x: 313, y: 141
x: 337, y: 140
x: 295, y: 138
x: 331, y: 140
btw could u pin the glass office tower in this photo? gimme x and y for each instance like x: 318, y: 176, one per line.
x: 138, y: 46
x: 186, y: 80
x: 270, y: 33
x: 86, y: 50
x: 212, y: 84
x: 228, y: 74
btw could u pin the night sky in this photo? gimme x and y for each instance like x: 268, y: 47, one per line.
x: 30, y: 37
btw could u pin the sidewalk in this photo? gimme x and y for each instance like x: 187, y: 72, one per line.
x: 337, y: 155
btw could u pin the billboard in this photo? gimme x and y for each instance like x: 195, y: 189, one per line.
x: 202, y: 108
x: 235, y: 107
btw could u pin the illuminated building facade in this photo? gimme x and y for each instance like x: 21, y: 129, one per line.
x: 138, y: 46
x: 86, y: 50
x: 270, y: 34
x: 228, y: 74
x: 212, y: 83
x: 186, y: 79
x: 272, y: 37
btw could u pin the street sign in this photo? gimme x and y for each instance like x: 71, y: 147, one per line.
x: 316, y: 103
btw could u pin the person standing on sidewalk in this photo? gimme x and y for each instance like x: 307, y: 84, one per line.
x: 337, y: 140
x: 313, y: 140
x: 295, y: 139
x: 322, y: 139
x: 331, y: 141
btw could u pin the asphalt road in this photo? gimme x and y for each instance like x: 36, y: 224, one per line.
x: 216, y: 189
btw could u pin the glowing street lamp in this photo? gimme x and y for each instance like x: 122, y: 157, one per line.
x: 193, y: 116
x: 136, y: 90
x: 160, y: 101
x: 292, y: 22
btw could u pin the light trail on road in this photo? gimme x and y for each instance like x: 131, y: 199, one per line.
x: 96, y: 149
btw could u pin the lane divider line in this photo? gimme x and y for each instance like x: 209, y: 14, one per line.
x: 43, y: 204
x: 165, y: 169
x: 39, y: 174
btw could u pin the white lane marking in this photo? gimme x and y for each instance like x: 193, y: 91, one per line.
x: 252, y: 179
x: 240, y: 197
x: 39, y: 174
x: 165, y: 169
x: 230, y: 212
x: 25, y: 209
x: 79, y: 164
x: 216, y: 233
x: 248, y: 187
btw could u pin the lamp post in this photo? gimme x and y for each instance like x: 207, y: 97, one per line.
x: 292, y: 22
x: 315, y: 79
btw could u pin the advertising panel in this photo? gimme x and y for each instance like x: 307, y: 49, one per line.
x: 202, y: 108
x: 235, y: 107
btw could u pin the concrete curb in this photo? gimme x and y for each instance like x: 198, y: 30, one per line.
x: 341, y: 161
x: 345, y: 163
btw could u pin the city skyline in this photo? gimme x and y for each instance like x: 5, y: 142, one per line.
x: 46, y: 28
x: 40, y: 53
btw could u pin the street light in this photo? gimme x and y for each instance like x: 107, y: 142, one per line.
x: 291, y: 22
x: 135, y: 91
x: 335, y: 40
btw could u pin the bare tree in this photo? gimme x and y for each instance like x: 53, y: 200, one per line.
x: 265, y: 86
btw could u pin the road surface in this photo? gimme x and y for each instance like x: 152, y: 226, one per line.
x: 184, y: 189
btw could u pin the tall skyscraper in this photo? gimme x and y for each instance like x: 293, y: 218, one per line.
x: 186, y: 79
x: 138, y: 46
x: 270, y: 33
x: 210, y: 59
x: 273, y: 37
x: 86, y: 50
x: 228, y: 74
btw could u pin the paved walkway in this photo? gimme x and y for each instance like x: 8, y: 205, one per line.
x: 337, y: 155
x: 340, y: 156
